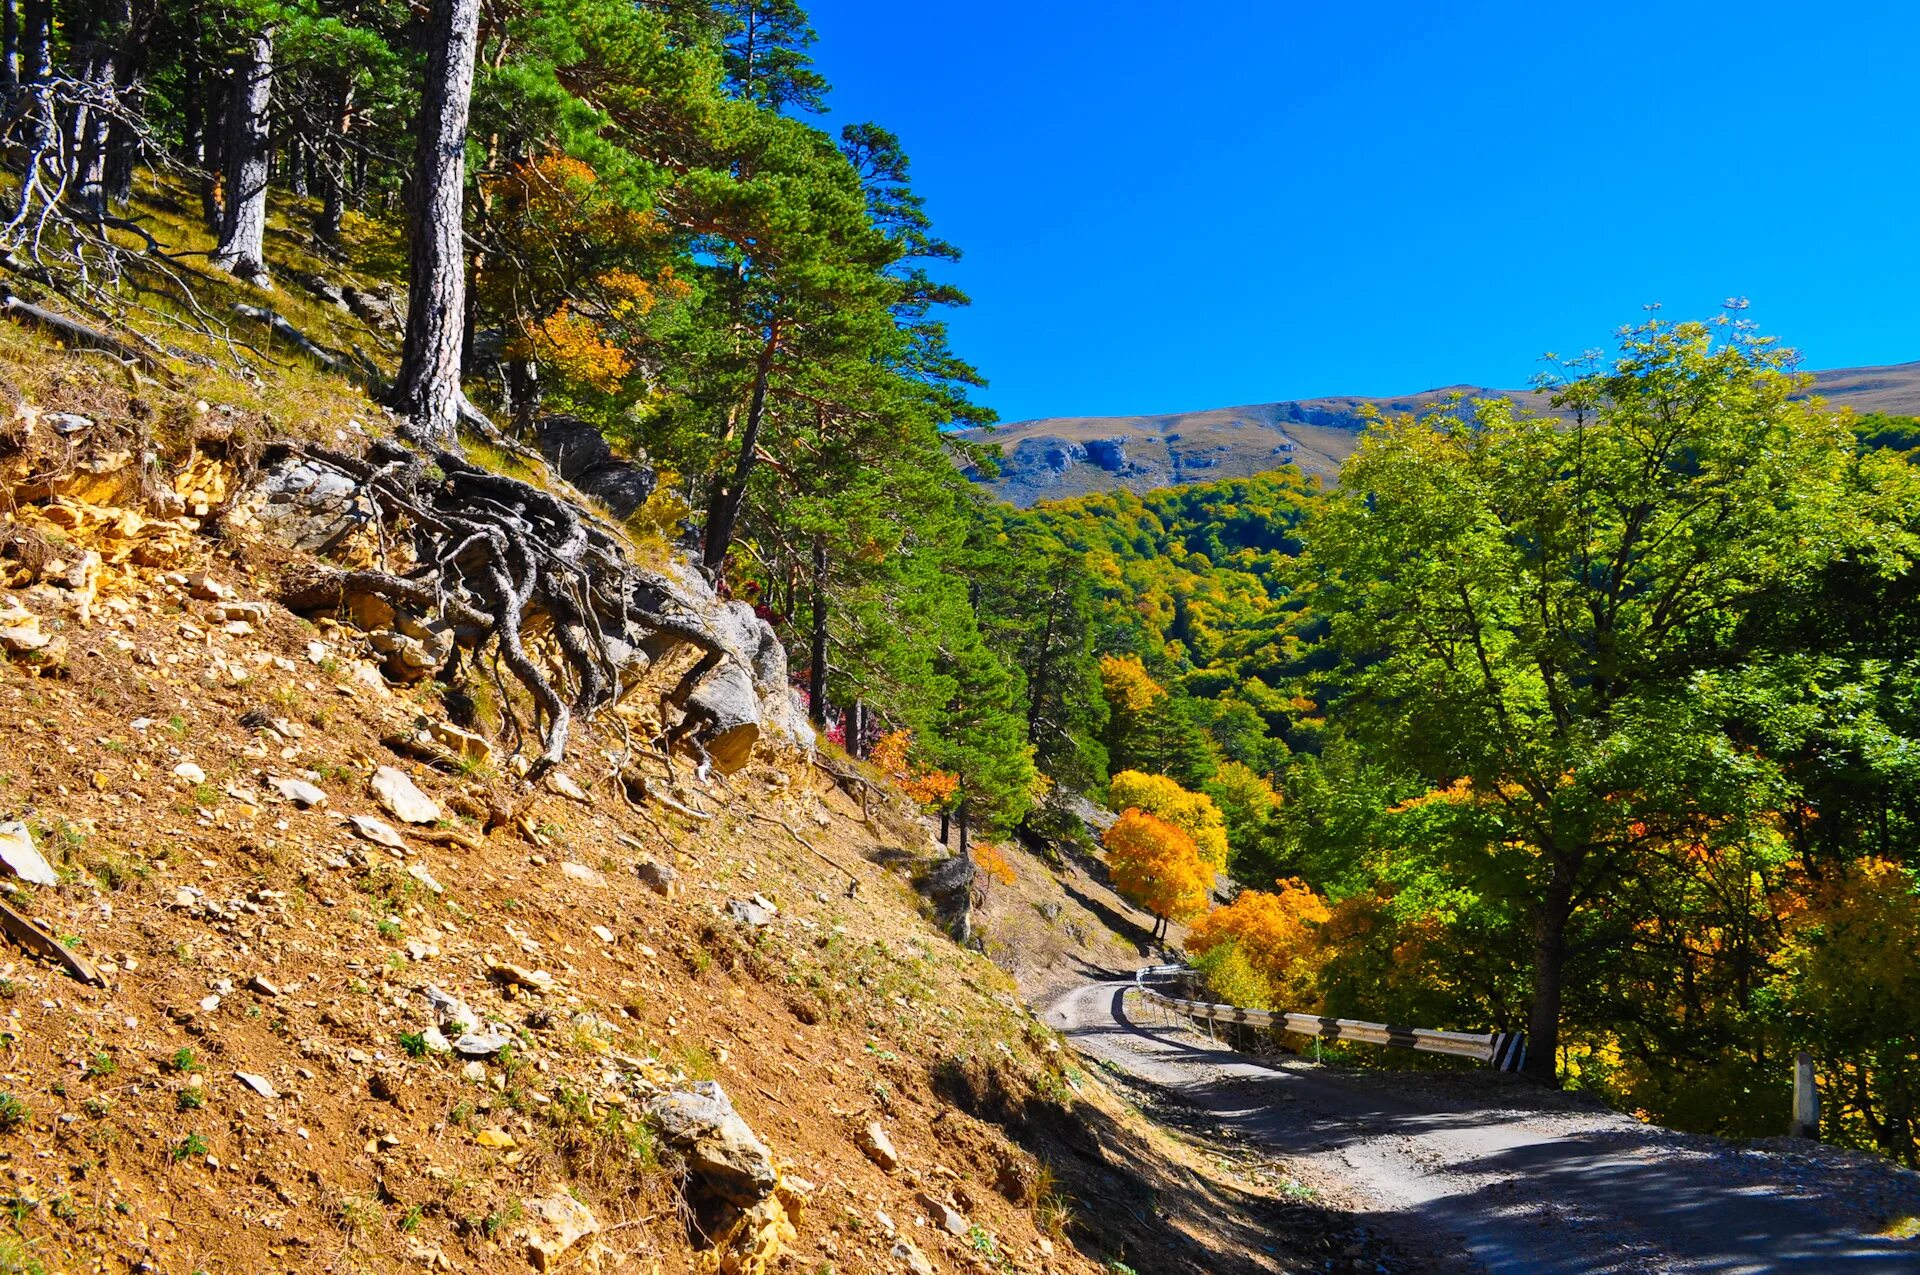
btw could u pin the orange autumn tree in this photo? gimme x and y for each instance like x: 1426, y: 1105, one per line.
x: 590, y: 270
x: 934, y: 789
x: 1265, y: 944
x: 1156, y: 865
x: 1192, y: 812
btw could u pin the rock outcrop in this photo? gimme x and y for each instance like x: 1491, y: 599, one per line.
x: 582, y: 456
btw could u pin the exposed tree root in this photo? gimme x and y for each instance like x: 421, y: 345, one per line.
x: 530, y: 578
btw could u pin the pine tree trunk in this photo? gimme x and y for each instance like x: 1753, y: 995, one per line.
x: 123, y: 154
x: 296, y: 165
x: 428, y: 388
x: 817, y: 652
x: 36, y: 68
x: 946, y: 827
x: 9, y: 48
x: 243, y: 225
x: 523, y: 393
x: 333, y: 167
x: 723, y: 509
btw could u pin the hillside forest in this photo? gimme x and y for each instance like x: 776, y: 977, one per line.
x: 1605, y: 729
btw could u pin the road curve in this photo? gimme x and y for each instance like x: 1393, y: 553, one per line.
x: 1493, y: 1172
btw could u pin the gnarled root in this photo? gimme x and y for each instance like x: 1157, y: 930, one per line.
x: 500, y: 561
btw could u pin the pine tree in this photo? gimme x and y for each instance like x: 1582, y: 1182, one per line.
x: 428, y: 390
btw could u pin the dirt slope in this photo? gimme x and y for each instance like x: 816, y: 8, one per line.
x: 263, y: 1078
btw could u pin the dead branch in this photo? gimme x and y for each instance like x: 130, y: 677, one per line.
x: 68, y: 332
x: 853, y: 882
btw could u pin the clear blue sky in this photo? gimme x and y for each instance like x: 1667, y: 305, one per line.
x: 1170, y: 206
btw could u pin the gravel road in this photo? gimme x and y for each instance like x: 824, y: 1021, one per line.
x: 1500, y: 1176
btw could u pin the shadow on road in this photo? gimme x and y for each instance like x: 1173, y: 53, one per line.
x: 1530, y: 1180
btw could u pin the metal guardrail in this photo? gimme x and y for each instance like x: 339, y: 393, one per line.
x: 1505, y: 1051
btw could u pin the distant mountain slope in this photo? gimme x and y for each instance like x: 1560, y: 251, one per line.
x: 1067, y: 456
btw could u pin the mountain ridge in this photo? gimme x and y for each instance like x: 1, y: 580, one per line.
x: 1059, y: 457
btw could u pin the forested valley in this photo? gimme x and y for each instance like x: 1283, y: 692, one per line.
x: 1604, y: 727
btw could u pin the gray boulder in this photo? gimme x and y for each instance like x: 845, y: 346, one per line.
x: 721, y: 1150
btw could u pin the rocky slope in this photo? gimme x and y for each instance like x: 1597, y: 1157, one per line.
x: 301, y: 975
x: 1062, y: 457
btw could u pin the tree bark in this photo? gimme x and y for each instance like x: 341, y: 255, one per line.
x: 523, y: 393
x: 817, y: 651
x: 723, y: 508
x: 428, y: 388
x: 9, y: 47
x: 36, y: 67
x: 243, y: 223
x: 332, y: 154
x: 295, y: 160
x: 1549, y: 968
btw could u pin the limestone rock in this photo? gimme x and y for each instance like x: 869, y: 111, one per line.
x: 878, y: 1147
x: 750, y: 913
x: 483, y: 1044
x: 721, y: 1149
x: 582, y: 873
x: 22, y: 857
x: 401, y: 798
x: 378, y: 831
x: 519, y: 976
x: 944, y: 1215
x: 581, y: 454
x: 914, y: 1259
x: 298, y: 791
x: 658, y: 877
x: 463, y: 744
x: 207, y: 589
x: 259, y: 1084
x: 191, y: 773
x: 21, y: 638
x: 555, y: 1223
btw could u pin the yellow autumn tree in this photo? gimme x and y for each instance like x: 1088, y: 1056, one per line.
x: 1127, y: 685
x: 1850, y: 982
x: 1193, y: 812
x: 1276, y: 933
x: 1156, y: 865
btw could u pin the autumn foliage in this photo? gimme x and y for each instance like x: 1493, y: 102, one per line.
x: 1278, y: 935
x: 1192, y: 812
x: 1850, y: 978
x: 991, y: 860
x: 933, y: 788
x: 1157, y: 866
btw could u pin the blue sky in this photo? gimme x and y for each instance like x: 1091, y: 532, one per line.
x: 1173, y: 206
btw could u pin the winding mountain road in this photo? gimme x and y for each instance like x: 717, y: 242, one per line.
x: 1490, y: 1173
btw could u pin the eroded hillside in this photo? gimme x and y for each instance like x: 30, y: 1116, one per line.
x: 346, y: 994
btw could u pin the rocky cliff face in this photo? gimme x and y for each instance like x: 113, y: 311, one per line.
x: 1062, y: 457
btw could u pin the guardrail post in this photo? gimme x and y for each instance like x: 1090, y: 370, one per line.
x: 1806, y: 1099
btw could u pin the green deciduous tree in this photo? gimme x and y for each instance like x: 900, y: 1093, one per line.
x: 1530, y: 608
